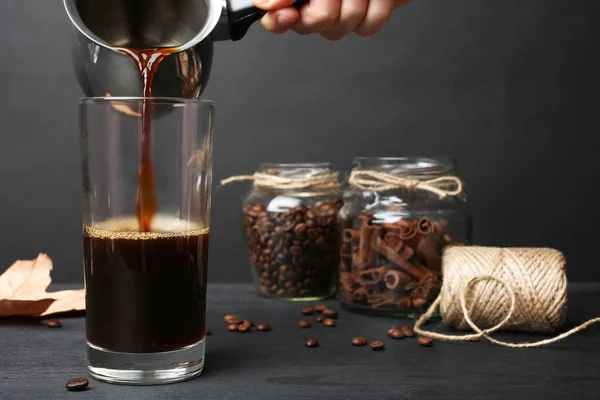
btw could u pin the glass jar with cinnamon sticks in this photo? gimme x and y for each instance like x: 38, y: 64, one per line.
x: 292, y: 234
x: 399, y: 215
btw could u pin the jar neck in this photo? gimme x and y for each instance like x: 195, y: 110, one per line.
x: 413, y: 167
x: 295, y: 170
x: 301, y: 172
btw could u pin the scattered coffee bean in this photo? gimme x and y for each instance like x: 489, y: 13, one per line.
x: 307, y: 310
x: 77, y: 384
x: 319, y: 318
x: 320, y: 308
x: 247, y: 322
x: 425, y: 341
x: 359, y: 341
x: 243, y: 328
x: 392, y: 328
x: 232, y: 327
x: 329, y: 322
x: 377, y: 345
x: 208, y: 332
x: 329, y: 313
x: 397, y: 333
x: 53, y: 323
x: 263, y: 327
x: 229, y: 317
x: 303, y: 324
x: 408, y: 332
x: 236, y: 321
x: 311, y: 342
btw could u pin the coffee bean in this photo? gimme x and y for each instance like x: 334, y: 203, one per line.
x: 53, y: 323
x: 329, y: 322
x: 320, y: 308
x: 389, y: 332
x: 329, y: 313
x: 77, y: 384
x: 263, y: 327
x: 319, y: 318
x: 243, y: 328
x: 359, y: 341
x: 408, y: 332
x: 236, y: 321
x: 303, y: 324
x: 227, y: 317
x: 247, y: 322
x: 425, y: 341
x: 294, y: 245
x: 377, y: 345
x: 397, y: 333
x: 307, y: 310
x: 300, y: 229
x: 208, y: 332
x: 232, y: 327
x: 311, y: 342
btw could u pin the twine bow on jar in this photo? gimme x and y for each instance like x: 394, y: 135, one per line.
x: 374, y: 181
x: 323, y: 181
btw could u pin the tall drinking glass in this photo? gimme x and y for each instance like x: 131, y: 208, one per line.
x: 147, y: 171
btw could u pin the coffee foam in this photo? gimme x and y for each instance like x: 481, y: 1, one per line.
x: 128, y: 228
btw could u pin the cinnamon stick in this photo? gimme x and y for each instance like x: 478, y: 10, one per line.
x: 366, y: 232
x: 387, y: 252
x: 381, y: 299
x: 424, y: 226
x: 350, y: 235
x: 371, y: 276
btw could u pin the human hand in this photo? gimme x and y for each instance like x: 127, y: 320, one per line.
x: 333, y: 19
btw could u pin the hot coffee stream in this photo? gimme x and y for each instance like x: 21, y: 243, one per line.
x: 147, y: 62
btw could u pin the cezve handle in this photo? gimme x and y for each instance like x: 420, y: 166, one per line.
x: 241, y: 14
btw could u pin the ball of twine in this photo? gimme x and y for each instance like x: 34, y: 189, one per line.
x: 488, y: 289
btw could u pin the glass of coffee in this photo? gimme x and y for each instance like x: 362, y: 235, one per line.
x: 147, y: 171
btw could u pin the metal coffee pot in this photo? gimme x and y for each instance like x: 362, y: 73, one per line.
x: 187, y: 26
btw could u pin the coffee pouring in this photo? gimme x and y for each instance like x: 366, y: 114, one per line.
x: 187, y: 28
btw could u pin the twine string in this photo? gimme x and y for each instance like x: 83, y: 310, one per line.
x: 321, y: 181
x: 489, y: 305
x: 375, y: 181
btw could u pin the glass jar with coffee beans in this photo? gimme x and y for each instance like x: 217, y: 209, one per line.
x: 290, y: 221
x: 398, y: 216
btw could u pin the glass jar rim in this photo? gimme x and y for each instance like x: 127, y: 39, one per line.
x: 134, y: 99
x: 319, y: 164
x: 437, y: 159
x: 417, y: 167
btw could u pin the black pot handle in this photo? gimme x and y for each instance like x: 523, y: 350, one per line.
x: 241, y: 14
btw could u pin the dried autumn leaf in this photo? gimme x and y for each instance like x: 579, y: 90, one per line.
x: 23, y: 291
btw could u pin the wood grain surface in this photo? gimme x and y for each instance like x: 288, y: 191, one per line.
x: 36, y: 362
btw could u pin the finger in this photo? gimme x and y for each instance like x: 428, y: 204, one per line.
x: 352, y: 13
x: 272, y: 4
x: 317, y: 16
x: 280, y: 21
x: 377, y: 15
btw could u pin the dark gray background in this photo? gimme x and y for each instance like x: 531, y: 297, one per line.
x: 508, y: 87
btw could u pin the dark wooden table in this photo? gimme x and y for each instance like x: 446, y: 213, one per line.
x: 35, y: 361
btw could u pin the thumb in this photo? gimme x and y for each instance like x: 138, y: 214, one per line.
x: 272, y: 4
